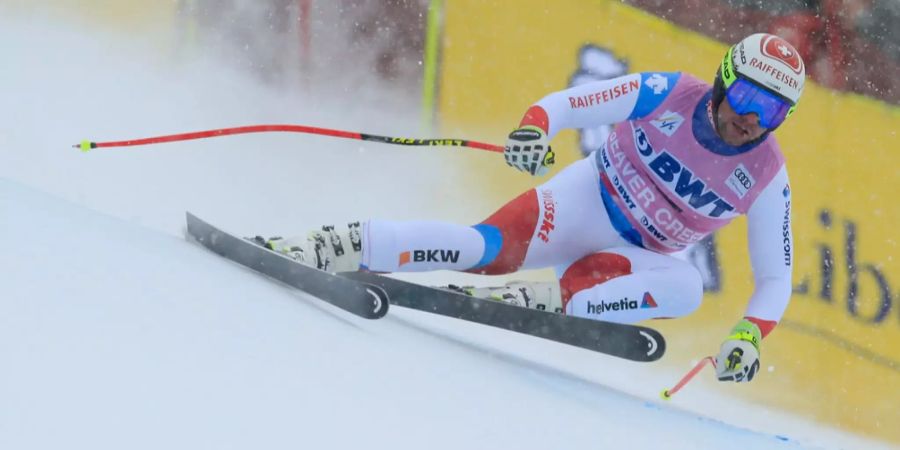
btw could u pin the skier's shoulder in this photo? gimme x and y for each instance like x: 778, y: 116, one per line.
x: 659, y: 82
x: 686, y: 85
x: 772, y: 151
x: 659, y: 87
x: 687, y: 80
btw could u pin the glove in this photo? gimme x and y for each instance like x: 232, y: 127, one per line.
x: 738, y: 358
x: 528, y: 150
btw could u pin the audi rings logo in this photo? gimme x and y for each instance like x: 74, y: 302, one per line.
x: 743, y: 178
x: 740, y: 181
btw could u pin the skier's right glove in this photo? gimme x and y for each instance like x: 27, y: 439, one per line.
x: 528, y: 150
x: 738, y: 358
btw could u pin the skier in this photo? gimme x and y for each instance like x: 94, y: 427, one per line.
x: 684, y: 159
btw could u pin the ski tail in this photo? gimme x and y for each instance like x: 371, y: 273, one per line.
x: 631, y: 342
x: 363, y: 299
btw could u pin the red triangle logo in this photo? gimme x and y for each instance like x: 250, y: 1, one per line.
x: 648, y: 302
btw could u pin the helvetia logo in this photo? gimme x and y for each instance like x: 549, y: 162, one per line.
x: 443, y: 256
x: 649, y: 301
x: 623, y: 304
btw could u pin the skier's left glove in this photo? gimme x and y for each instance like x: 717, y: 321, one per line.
x: 738, y: 358
x: 528, y: 150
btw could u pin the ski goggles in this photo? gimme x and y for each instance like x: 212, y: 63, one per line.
x: 745, y: 97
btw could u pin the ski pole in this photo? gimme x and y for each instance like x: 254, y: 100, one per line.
x: 88, y: 145
x: 666, y: 394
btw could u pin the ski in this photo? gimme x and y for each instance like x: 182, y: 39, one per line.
x: 358, y: 297
x: 368, y: 295
x: 632, y: 342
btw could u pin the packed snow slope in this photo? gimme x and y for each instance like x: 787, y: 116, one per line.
x: 116, y: 333
x: 117, y: 336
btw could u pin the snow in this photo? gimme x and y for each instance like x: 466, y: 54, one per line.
x: 118, y: 336
x: 115, y: 332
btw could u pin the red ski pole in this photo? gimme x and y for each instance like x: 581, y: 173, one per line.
x: 88, y: 145
x: 666, y: 394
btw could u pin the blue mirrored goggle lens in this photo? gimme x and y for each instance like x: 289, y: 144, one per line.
x: 746, y: 97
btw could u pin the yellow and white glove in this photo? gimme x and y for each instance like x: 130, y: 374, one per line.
x: 528, y: 150
x: 738, y: 358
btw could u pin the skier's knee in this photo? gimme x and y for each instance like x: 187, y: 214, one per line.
x: 507, y: 234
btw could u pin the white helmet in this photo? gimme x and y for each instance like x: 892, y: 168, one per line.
x: 769, y: 62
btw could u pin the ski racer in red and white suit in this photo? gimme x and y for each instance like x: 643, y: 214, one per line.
x: 685, y: 158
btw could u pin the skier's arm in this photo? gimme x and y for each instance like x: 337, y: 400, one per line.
x: 769, y: 239
x: 771, y: 243
x: 602, y: 102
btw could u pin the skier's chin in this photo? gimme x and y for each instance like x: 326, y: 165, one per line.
x: 734, y: 136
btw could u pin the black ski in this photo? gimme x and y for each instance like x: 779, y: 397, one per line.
x: 636, y: 343
x: 360, y: 298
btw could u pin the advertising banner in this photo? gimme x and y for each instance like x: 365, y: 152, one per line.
x: 836, y: 355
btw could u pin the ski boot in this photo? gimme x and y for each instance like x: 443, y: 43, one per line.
x: 325, y: 249
x: 544, y: 296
